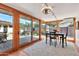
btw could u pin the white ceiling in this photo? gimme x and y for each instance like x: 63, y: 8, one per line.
x: 61, y: 10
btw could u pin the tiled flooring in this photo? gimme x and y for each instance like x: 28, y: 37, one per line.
x: 8, y: 44
x: 42, y: 49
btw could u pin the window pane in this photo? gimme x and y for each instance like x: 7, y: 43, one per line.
x: 25, y: 30
x: 35, y: 30
x: 43, y: 29
x: 67, y: 27
x: 6, y: 32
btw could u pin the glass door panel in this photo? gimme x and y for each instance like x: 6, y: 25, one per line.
x: 35, y: 30
x: 6, y: 30
x: 25, y: 30
x: 43, y: 29
x: 67, y: 26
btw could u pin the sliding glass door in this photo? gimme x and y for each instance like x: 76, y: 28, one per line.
x: 6, y: 30
x: 25, y: 30
x: 67, y: 27
x: 43, y: 30
x: 35, y: 30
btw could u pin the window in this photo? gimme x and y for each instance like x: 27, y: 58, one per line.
x: 25, y: 30
x: 6, y: 33
x: 35, y: 30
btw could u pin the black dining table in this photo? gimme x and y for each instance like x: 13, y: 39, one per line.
x: 57, y: 34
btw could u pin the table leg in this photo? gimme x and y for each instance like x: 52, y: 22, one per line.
x: 62, y: 41
x: 50, y: 41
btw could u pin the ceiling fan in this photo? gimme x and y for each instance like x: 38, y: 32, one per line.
x: 46, y: 9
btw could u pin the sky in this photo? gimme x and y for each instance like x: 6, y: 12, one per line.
x: 6, y: 17
x: 10, y: 18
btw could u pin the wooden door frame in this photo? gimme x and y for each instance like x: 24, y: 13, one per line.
x: 40, y: 32
x: 16, y: 29
x: 74, y: 19
x: 16, y: 16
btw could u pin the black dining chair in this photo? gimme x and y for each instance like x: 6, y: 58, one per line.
x: 53, y: 36
x: 65, y: 38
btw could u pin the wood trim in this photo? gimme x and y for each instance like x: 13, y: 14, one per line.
x: 40, y: 32
x: 78, y: 24
x: 16, y: 16
x: 74, y: 19
x: 16, y: 30
x: 69, y: 18
x: 58, y: 20
x: 43, y: 22
x: 53, y: 21
x: 10, y: 9
x: 4, y: 7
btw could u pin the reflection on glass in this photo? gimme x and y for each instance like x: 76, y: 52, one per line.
x: 77, y: 32
x: 43, y: 29
x: 6, y: 30
x: 67, y: 27
x: 25, y: 30
x: 35, y: 30
x: 50, y: 27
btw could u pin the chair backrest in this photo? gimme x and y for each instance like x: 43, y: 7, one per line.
x: 52, y: 36
x: 52, y: 32
x: 66, y: 35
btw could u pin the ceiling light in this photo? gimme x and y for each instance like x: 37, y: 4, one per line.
x: 46, y: 9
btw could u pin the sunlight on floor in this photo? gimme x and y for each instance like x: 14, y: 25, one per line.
x: 43, y: 49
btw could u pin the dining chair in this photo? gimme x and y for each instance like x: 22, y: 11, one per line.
x: 53, y: 36
x: 65, y: 38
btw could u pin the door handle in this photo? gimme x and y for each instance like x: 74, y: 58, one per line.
x: 18, y: 32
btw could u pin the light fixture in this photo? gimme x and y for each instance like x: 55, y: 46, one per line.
x: 46, y: 9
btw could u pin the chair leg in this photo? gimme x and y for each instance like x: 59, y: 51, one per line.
x: 65, y: 42
x: 60, y: 40
x: 46, y: 39
x: 50, y: 42
x: 55, y: 43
